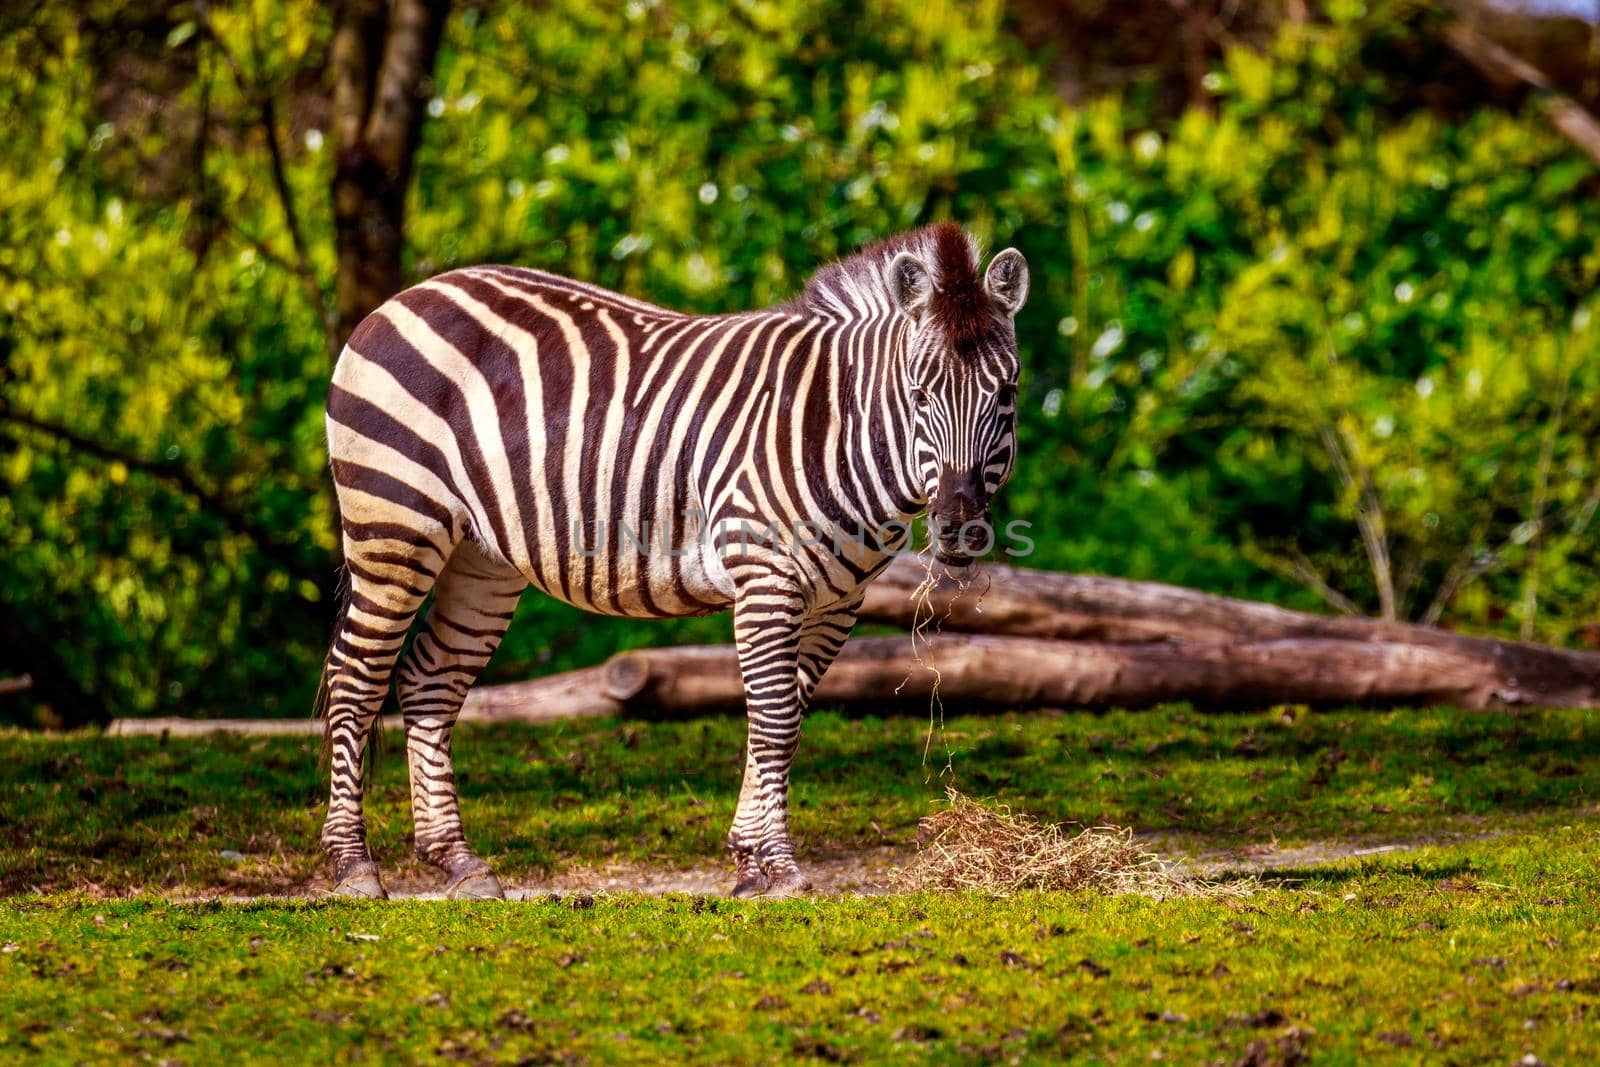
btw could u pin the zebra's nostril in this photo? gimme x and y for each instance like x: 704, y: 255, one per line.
x: 961, y: 495
x: 970, y: 498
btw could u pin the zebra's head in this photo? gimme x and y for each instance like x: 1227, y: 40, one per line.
x: 961, y: 382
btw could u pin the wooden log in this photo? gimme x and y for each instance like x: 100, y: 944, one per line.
x: 181, y: 727
x: 997, y: 599
x: 1052, y: 640
x: 977, y: 671
x: 989, y: 672
x: 571, y: 695
x: 20, y: 684
x: 581, y: 694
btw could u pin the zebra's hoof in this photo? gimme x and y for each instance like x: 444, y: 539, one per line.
x: 788, y: 884
x: 750, y: 885
x: 362, y: 885
x: 475, y: 885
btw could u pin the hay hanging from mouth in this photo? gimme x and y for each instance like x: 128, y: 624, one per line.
x: 925, y: 626
x: 986, y: 848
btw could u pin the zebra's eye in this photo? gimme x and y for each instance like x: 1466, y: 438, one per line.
x: 919, y: 397
x: 1007, y: 396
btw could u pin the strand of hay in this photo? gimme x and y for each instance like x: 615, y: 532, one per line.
x: 924, y: 619
x: 986, y: 848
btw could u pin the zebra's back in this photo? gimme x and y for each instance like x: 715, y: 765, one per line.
x: 558, y: 425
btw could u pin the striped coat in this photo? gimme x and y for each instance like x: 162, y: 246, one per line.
x: 496, y: 427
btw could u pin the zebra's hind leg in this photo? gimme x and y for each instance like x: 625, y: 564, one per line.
x: 472, y: 606
x: 386, y: 589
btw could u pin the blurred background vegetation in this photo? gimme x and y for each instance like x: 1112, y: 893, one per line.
x: 1312, y: 312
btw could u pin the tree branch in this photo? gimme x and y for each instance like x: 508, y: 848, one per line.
x: 1295, y: 566
x: 266, y: 110
x: 302, y: 259
x: 1541, y: 495
x: 228, y: 511
x: 1369, y: 516
x: 1505, y: 68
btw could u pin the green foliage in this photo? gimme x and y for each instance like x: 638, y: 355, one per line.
x: 1307, y: 342
x: 123, y: 321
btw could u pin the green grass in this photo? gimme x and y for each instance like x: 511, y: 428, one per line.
x: 133, y: 814
x: 1480, y: 948
x: 1480, y: 954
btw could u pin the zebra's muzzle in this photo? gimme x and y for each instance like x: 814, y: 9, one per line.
x: 958, y: 517
x: 957, y: 544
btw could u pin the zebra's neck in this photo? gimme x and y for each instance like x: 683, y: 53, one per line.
x: 874, y: 423
x: 853, y: 298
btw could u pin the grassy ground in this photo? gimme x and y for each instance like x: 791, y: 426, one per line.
x: 1461, y: 954
x: 130, y: 814
x: 1475, y: 949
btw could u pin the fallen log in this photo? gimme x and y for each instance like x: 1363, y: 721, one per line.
x: 177, y: 726
x: 978, y: 671
x: 997, y: 599
x: 993, y: 672
x: 582, y: 694
x: 576, y: 694
x: 1016, y: 638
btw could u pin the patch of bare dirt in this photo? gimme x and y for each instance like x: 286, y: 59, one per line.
x: 856, y: 873
x: 867, y: 873
x: 864, y: 873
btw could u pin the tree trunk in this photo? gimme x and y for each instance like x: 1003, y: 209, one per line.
x: 382, y: 69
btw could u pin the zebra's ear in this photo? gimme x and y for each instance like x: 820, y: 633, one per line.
x: 1007, y: 281
x: 910, y: 285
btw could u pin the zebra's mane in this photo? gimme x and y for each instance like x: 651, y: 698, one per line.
x: 858, y: 286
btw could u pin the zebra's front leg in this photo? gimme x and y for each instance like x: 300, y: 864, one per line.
x: 821, y: 638
x: 766, y: 629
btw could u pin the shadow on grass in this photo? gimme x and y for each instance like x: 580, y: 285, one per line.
x: 1354, y: 870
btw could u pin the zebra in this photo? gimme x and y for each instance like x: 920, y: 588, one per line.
x: 487, y: 426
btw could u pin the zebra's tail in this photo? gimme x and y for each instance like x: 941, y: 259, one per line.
x: 319, y: 705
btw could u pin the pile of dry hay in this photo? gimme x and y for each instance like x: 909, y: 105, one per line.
x: 970, y: 845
